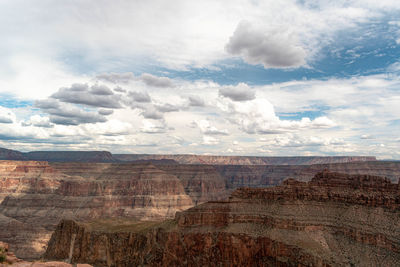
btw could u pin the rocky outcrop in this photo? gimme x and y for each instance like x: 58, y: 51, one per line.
x: 8, y: 258
x: 333, y: 220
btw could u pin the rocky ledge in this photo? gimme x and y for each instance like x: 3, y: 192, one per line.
x: 333, y: 220
x: 8, y: 258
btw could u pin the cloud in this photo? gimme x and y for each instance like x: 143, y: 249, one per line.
x: 141, y: 97
x: 166, y: 107
x: 119, y: 90
x: 294, y: 140
x: 100, y: 90
x: 111, y: 128
x: 258, y: 116
x: 97, y: 96
x: 207, y: 129
x: 38, y: 121
x: 106, y: 112
x: 68, y: 114
x: 241, y: 92
x: 273, y: 48
x: 153, y: 127
x: 152, y: 113
x: 195, y: 101
x: 6, y: 115
x: 116, y: 77
x: 367, y: 136
x: 155, y: 81
x: 209, y: 140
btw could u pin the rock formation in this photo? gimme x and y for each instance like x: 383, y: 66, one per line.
x: 8, y: 258
x: 36, y: 196
x: 333, y: 220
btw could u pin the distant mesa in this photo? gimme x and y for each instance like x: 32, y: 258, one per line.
x: 105, y: 156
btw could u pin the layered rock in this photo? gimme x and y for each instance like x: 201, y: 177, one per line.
x: 34, y: 196
x: 37, y: 196
x: 244, y: 160
x: 8, y: 258
x: 333, y: 220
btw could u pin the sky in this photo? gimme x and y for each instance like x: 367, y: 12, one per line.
x: 262, y: 78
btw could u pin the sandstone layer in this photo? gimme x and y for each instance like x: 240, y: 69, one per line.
x: 36, y: 196
x: 333, y: 220
x: 8, y: 258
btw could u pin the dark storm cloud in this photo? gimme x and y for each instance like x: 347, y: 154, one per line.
x: 273, y: 48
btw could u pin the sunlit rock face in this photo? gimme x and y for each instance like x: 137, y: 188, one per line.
x: 333, y: 220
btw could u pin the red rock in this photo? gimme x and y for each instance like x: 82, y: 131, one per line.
x: 324, y: 222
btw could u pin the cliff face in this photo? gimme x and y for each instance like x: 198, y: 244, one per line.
x: 36, y: 196
x: 333, y: 220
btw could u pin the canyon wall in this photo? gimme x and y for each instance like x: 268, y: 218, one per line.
x: 333, y: 220
x: 35, y: 196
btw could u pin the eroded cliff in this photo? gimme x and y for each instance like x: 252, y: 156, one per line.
x: 333, y: 220
x: 36, y: 196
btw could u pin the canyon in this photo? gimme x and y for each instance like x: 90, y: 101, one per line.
x: 36, y: 195
x: 332, y: 220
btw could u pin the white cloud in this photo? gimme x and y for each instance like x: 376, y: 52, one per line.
x: 6, y: 115
x: 38, y: 121
x: 156, y: 81
x: 273, y: 48
x: 210, y: 140
x: 240, y: 92
x: 207, y: 129
x: 153, y: 127
x: 258, y: 116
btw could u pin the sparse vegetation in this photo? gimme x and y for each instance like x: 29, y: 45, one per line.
x: 2, y: 255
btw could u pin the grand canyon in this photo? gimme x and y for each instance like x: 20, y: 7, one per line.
x: 184, y: 210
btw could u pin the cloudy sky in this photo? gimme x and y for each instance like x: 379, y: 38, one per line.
x: 237, y: 77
